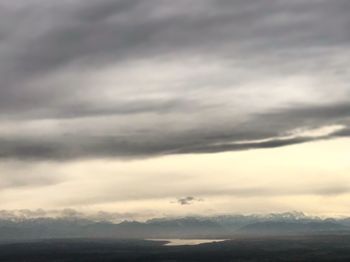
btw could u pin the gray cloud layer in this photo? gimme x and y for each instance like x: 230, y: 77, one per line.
x: 130, y: 78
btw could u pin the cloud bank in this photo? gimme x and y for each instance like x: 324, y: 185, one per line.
x: 132, y: 79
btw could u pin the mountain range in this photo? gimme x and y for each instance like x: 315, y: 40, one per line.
x: 227, y: 226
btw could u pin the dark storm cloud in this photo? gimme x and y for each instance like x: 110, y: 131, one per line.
x: 80, y: 110
x: 187, y: 200
x: 114, y: 30
x: 50, y: 51
x: 254, y: 134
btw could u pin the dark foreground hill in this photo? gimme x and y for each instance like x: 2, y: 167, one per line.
x: 312, y: 248
x: 275, y: 228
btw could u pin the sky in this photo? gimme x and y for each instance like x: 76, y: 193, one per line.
x: 162, y: 108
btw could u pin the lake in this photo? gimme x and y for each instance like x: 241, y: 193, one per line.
x: 191, y: 242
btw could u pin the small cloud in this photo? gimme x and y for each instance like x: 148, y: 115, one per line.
x: 187, y: 200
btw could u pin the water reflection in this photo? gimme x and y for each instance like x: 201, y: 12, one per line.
x: 181, y: 242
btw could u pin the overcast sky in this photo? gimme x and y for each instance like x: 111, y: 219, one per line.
x: 168, y: 107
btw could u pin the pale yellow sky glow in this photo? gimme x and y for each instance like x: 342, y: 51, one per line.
x: 311, y: 177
